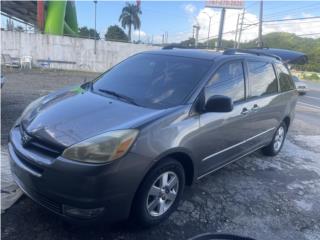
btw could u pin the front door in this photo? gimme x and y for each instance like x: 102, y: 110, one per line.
x: 222, y: 134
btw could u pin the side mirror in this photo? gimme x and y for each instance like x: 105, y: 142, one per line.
x: 219, y: 103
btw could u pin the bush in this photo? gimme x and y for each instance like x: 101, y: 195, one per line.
x: 314, y: 76
x: 116, y: 33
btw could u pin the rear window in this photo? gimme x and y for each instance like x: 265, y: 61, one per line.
x: 285, y: 80
x: 154, y: 80
x: 262, y: 79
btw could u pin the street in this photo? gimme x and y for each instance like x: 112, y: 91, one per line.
x: 260, y: 197
x: 308, y: 108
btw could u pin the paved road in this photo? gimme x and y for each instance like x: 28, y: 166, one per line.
x: 263, y: 197
x: 308, y: 107
x: 312, y: 98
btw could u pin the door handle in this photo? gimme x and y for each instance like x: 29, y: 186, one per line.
x: 245, y: 111
x: 255, y: 107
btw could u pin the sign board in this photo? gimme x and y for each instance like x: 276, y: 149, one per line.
x: 235, y: 4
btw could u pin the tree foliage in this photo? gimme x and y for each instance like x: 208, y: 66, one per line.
x: 116, y: 33
x: 88, y: 33
x: 130, y: 16
x: 309, y: 46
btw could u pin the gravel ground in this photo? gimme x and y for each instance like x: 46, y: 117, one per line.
x: 262, y: 197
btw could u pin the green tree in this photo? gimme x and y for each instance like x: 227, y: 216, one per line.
x: 88, y: 33
x: 130, y: 17
x: 116, y: 33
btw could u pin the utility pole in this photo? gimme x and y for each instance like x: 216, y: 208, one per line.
x: 197, y: 28
x: 223, y: 13
x: 222, y: 17
x: 241, y: 26
x: 210, y: 17
x: 260, y: 43
x: 236, y: 35
x: 95, y: 26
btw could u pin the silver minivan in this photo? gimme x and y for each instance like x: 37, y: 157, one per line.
x: 127, y: 143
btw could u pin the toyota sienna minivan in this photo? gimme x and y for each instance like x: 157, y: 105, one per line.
x: 127, y: 143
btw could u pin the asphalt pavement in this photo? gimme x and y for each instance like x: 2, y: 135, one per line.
x: 261, y: 197
x: 312, y: 97
x: 308, y: 106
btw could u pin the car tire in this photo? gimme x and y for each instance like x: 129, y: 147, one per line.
x: 277, y: 141
x: 154, y: 202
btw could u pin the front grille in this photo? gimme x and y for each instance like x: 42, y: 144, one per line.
x: 27, y: 162
x: 41, y: 146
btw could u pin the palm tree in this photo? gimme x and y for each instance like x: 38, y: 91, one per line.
x: 130, y: 16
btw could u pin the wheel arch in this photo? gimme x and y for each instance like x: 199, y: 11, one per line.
x: 287, y: 121
x: 183, y: 157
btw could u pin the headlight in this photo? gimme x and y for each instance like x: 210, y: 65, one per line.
x: 31, y: 106
x: 102, y: 148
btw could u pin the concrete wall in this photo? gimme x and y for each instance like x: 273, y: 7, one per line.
x: 81, y: 51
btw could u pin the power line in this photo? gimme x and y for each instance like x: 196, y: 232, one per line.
x: 285, y: 23
x: 292, y: 10
x: 291, y: 19
x: 284, y: 20
x: 229, y: 32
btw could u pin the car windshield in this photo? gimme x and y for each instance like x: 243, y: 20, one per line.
x: 153, y: 80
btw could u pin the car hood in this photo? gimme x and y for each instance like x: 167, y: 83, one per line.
x: 73, y: 115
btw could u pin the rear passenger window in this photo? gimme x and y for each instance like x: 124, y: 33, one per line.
x: 227, y: 81
x: 285, y: 80
x: 262, y: 79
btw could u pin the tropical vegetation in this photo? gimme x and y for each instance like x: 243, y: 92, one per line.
x: 130, y: 17
x: 115, y: 33
x: 86, y: 32
x: 309, y: 46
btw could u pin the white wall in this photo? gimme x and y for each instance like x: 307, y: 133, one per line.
x: 78, y: 50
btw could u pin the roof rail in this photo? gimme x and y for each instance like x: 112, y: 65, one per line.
x: 175, y: 45
x: 257, y: 52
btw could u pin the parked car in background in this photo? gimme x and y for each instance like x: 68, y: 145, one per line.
x: 129, y: 142
x: 2, y: 80
x: 301, y: 86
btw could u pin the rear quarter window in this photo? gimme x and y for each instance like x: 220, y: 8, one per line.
x: 285, y: 80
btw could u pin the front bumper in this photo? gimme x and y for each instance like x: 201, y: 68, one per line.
x: 302, y: 89
x: 58, y: 182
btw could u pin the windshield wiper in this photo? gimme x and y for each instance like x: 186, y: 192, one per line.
x: 120, y: 96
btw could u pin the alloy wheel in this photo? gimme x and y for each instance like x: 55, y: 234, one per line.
x: 279, y: 137
x: 162, y: 193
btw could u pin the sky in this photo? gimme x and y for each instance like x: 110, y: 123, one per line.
x: 178, y: 17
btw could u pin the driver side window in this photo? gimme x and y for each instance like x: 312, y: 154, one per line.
x: 228, y: 81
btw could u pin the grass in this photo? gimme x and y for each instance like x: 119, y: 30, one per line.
x: 309, y: 76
